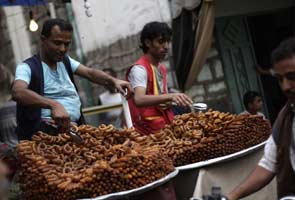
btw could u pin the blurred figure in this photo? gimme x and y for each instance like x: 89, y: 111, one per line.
x: 109, y: 97
x: 8, y: 136
x: 7, y: 109
x: 279, y: 152
x: 4, y: 184
x: 274, y: 97
x: 253, y: 103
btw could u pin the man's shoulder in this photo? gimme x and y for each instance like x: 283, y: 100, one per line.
x: 261, y: 114
x: 244, y: 112
x: 137, y: 69
x: 23, y: 65
x: 31, y: 60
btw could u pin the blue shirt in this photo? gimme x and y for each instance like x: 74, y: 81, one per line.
x: 57, y: 86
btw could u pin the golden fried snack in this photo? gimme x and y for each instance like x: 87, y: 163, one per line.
x: 109, y: 160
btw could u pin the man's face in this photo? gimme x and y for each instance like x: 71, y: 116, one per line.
x: 57, y: 44
x: 158, y: 47
x: 285, y: 72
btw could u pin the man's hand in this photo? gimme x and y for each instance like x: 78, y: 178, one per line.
x: 181, y: 99
x: 60, y: 116
x: 165, y: 106
x: 123, y: 86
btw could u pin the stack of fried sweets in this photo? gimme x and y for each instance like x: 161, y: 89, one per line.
x: 53, y: 167
x: 110, y: 160
x: 201, y: 136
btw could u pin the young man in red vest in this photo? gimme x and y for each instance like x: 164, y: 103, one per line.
x: 151, y: 105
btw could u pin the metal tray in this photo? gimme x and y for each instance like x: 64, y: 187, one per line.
x: 221, y: 159
x: 135, y: 191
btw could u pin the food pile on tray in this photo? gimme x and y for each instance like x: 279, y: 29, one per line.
x: 195, y: 137
x: 53, y: 167
x: 111, y: 160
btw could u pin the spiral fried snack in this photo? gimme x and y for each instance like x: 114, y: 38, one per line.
x: 213, y: 134
x: 110, y: 160
x: 200, y: 136
x: 52, y: 167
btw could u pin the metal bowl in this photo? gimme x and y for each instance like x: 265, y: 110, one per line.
x: 288, y: 198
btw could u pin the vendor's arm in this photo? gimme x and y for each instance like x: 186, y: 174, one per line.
x: 262, y: 174
x: 142, y: 99
x: 102, y: 78
x: 138, y: 79
x: 256, y: 180
x: 21, y: 94
x: 24, y: 96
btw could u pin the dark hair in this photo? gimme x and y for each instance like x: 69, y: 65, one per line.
x: 249, y: 97
x: 153, y: 30
x: 111, y: 71
x: 286, y: 49
x: 49, y: 24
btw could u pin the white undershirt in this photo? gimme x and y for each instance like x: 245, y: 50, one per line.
x: 138, y: 77
x: 258, y: 113
x: 269, y: 159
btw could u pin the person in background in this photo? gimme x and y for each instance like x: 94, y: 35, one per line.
x: 279, y: 152
x: 151, y: 104
x: 274, y: 97
x: 109, y: 97
x: 7, y: 110
x: 44, y: 87
x: 253, y: 103
x: 4, y: 183
x: 8, y: 136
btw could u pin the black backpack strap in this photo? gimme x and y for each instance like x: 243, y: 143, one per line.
x: 68, y: 66
x: 37, y: 77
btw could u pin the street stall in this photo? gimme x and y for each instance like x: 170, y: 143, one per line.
x: 112, y: 163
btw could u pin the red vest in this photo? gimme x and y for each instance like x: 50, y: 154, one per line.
x: 149, y: 119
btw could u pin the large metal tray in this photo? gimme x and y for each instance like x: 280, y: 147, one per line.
x: 135, y: 191
x: 221, y: 159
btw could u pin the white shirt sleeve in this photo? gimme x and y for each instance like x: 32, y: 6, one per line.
x: 138, y: 76
x: 23, y: 72
x: 74, y: 64
x: 269, y: 159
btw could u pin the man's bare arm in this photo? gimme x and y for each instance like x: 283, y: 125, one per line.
x: 27, y: 97
x: 259, y: 178
x: 142, y: 99
x: 102, y: 78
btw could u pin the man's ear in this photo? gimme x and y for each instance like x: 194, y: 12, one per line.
x: 148, y: 43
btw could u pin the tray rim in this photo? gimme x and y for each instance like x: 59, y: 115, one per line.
x: 135, y: 191
x: 222, y: 158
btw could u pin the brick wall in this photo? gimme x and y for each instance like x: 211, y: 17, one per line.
x: 210, y: 86
x: 119, y: 56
